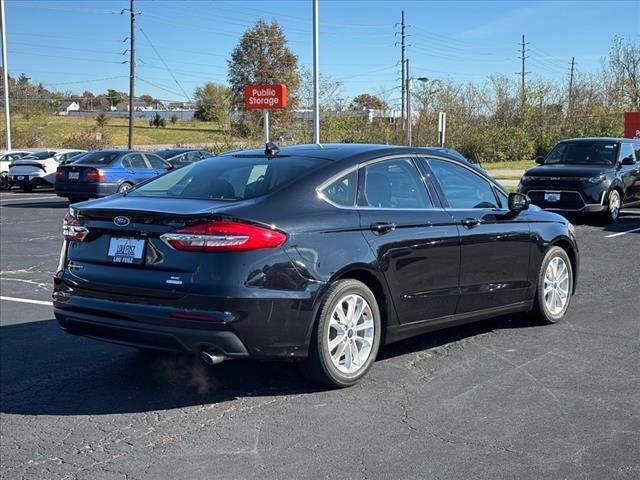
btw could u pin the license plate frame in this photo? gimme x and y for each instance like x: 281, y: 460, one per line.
x: 127, y: 250
x: 551, y: 196
x: 74, y: 176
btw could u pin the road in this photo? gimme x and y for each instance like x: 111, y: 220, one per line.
x: 504, y: 398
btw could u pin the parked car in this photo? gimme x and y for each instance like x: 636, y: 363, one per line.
x: 6, y: 158
x: 104, y: 172
x: 179, y: 157
x: 586, y: 175
x: 39, y: 168
x: 316, y: 254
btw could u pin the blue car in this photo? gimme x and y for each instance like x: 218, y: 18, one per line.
x: 104, y: 172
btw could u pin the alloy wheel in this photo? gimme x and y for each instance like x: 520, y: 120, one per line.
x: 351, y: 333
x: 556, y: 285
x: 614, y: 204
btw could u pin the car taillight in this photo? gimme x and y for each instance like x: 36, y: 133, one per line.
x: 72, y: 230
x: 95, y: 175
x: 59, y: 174
x: 223, y: 236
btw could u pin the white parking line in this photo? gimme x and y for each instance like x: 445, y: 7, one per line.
x: 26, y: 300
x: 22, y: 199
x: 622, y: 233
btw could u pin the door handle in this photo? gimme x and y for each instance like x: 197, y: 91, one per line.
x: 132, y: 171
x: 470, y: 222
x: 382, y: 227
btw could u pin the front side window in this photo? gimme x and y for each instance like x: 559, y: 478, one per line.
x: 461, y: 187
x: 626, y: 151
x: 393, y: 184
x: 342, y: 192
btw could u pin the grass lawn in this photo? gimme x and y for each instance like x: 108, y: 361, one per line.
x: 519, y: 164
x: 52, y: 130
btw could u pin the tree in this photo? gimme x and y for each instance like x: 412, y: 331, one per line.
x: 330, y: 91
x: 263, y: 57
x: 623, y: 72
x: 148, y: 100
x: 114, y: 97
x: 212, y: 102
x: 367, y: 101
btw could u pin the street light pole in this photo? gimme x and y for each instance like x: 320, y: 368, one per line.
x: 316, y: 77
x: 5, y: 79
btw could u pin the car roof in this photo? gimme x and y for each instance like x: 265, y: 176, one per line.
x: 606, y: 139
x: 342, y: 151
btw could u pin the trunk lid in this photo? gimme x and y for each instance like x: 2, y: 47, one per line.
x: 75, y: 173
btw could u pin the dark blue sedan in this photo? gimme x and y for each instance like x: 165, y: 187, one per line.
x: 104, y: 172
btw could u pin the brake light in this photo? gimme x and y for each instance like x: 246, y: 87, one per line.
x: 95, y: 175
x: 72, y: 230
x: 223, y: 236
x: 59, y: 174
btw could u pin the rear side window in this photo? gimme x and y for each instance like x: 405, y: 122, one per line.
x: 230, y: 177
x: 156, y: 161
x: 98, y: 158
x: 393, y: 184
x: 342, y: 192
x: 134, y: 160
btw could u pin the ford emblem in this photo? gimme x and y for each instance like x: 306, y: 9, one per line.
x: 121, y: 221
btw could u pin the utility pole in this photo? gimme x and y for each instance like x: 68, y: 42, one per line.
x: 5, y: 80
x: 316, y: 77
x: 132, y: 69
x: 570, y: 105
x: 523, y: 72
x: 408, y: 90
x: 402, y: 65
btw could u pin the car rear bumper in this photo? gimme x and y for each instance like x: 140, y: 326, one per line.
x: 33, y: 180
x: 85, y: 189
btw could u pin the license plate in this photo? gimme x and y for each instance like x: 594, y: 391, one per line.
x: 126, y: 250
x: 74, y: 175
x: 551, y: 196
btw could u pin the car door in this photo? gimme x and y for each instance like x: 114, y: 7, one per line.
x: 415, y: 241
x: 158, y: 165
x: 629, y: 172
x: 495, y: 243
x: 136, y: 167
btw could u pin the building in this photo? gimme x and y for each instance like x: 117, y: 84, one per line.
x: 67, y: 106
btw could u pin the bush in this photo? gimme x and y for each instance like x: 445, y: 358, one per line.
x: 101, y: 120
x: 173, y: 119
x: 157, y: 121
x: 85, y: 140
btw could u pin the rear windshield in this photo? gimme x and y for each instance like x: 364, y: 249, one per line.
x: 583, y: 153
x: 97, y: 158
x: 229, y: 178
x: 169, y: 153
x: 39, y: 155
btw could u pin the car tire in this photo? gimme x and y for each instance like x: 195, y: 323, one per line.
x: 348, y: 328
x: 125, y: 186
x: 614, y: 204
x: 555, y: 286
x: 4, y: 181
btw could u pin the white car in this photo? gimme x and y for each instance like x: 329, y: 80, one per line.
x: 6, y: 158
x: 39, y: 168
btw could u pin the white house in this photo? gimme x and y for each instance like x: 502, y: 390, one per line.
x: 66, y: 107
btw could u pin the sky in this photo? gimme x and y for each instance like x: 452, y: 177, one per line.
x: 78, y: 45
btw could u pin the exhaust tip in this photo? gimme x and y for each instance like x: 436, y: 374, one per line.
x: 211, y: 358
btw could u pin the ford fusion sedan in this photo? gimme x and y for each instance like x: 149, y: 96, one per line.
x: 39, y: 168
x: 105, y: 172
x: 310, y: 254
x: 587, y: 175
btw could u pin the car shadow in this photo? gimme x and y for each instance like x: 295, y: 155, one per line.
x: 629, y: 219
x: 44, y: 371
x: 39, y: 204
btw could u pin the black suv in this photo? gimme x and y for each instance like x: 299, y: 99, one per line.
x: 586, y: 175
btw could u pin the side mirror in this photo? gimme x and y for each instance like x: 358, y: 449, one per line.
x: 627, y: 161
x: 539, y: 160
x: 518, y: 202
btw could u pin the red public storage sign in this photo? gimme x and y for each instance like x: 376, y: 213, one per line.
x: 262, y: 97
x: 632, y: 124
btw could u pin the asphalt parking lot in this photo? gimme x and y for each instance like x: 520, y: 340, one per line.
x: 504, y: 398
